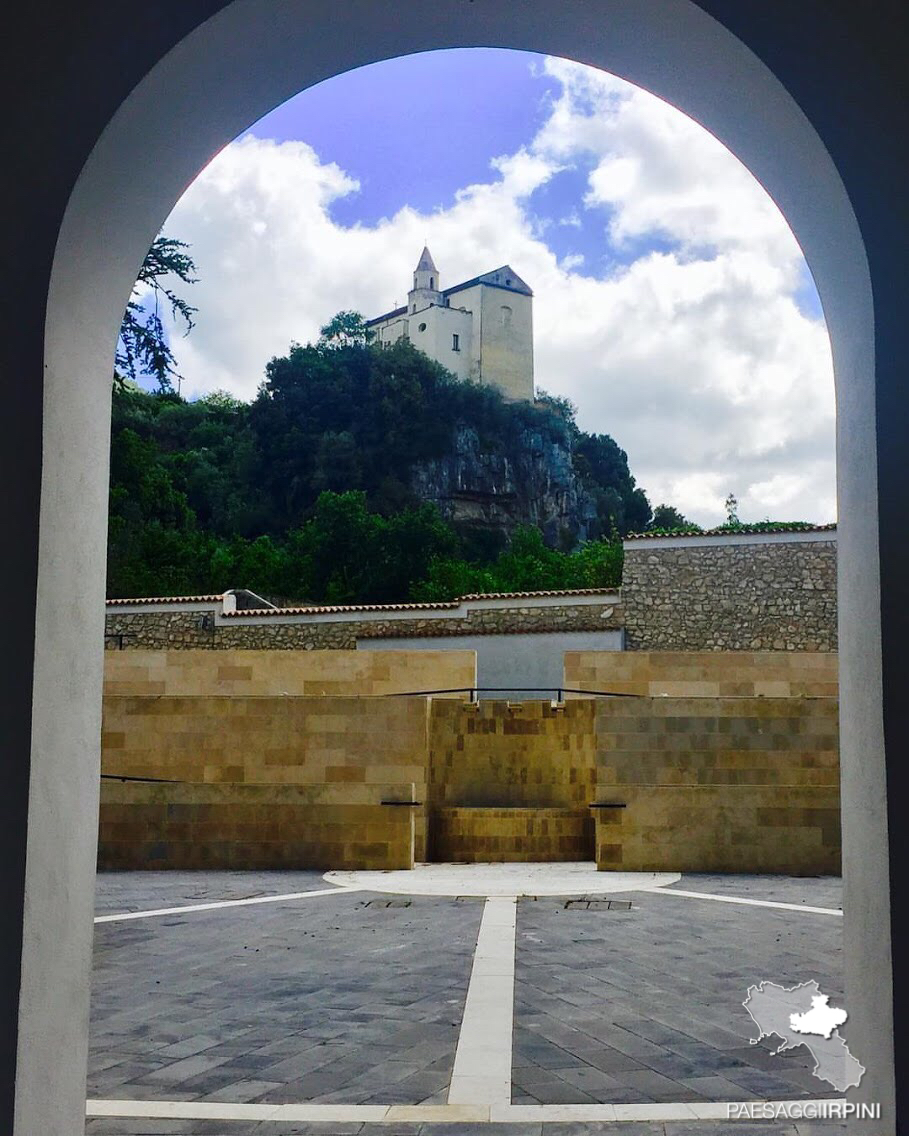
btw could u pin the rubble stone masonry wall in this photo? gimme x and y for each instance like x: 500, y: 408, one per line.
x: 178, y: 630
x: 773, y: 596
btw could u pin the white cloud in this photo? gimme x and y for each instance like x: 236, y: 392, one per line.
x: 697, y: 360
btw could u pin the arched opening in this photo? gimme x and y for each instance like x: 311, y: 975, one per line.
x: 129, y: 184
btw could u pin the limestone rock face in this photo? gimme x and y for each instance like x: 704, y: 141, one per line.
x: 535, y: 483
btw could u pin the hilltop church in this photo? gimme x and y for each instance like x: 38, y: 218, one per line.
x: 481, y: 329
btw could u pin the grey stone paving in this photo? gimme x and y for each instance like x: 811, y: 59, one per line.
x: 817, y: 891
x: 140, y: 891
x: 312, y: 1000
x: 646, y: 1005
x: 332, y: 1000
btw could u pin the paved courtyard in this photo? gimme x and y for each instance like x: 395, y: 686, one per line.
x: 279, y: 1003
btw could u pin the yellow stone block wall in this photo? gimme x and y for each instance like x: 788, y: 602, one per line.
x: 200, y: 671
x: 527, y: 754
x: 772, y: 674
x: 347, y: 746
x: 709, y: 783
x: 144, y: 826
x: 718, y: 784
x: 536, y: 835
x: 511, y: 781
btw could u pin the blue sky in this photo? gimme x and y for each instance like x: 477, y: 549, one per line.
x: 481, y: 103
x: 672, y: 303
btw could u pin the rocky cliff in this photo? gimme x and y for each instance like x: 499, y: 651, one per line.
x: 534, y: 482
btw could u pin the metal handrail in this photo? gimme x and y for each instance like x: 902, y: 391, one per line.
x: 475, y: 690
x: 154, y: 780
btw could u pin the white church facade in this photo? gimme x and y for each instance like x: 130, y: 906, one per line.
x: 481, y: 329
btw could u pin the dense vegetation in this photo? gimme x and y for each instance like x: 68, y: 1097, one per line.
x: 304, y: 494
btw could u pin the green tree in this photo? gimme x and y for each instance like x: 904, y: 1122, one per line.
x: 666, y: 518
x: 346, y: 329
x: 142, y: 346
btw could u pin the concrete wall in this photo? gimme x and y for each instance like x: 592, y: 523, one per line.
x: 772, y: 674
x: 767, y: 592
x: 718, y: 785
x: 514, y: 661
x: 300, y: 673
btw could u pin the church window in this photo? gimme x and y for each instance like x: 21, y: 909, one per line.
x: 456, y: 342
x: 432, y: 282
x: 422, y: 327
x: 505, y: 313
x: 507, y: 279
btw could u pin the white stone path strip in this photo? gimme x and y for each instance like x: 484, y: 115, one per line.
x: 482, y: 1064
x: 474, y: 1113
x: 214, y: 906
x: 743, y: 900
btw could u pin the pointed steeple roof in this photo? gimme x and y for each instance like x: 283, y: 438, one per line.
x: 426, y: 263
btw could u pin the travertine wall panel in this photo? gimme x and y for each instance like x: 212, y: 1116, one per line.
x: 527, y: 754
x: 771, y: 674
x: 708, y: 783
x: 145, y: 826
x: 776, y: 596
x: 196, y: 671
x: 725, y: 784
x: 722, y: 828
x: 345, y: 745
x: 535, y: 835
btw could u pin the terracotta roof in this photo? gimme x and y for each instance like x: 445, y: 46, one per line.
x: 439, y: 605
x: 166, y: 599
x: 747, y: 531
x: 535, y: 595
x: 336, y: 609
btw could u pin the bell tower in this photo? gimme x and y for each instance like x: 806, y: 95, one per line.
x: 426, y: 287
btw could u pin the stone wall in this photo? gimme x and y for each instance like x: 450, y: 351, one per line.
x: 517, y: 754
x: 704, y: 783
x: 145, y: 826
x: 769, y: 674
x: 718, y: 785
x: 179, y: 630
x: 346, y: 748
x: 476, y: 835
x: 768, y: 593
x: 196, y: 671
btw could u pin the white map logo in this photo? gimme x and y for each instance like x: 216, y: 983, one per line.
x: 802, y: 1015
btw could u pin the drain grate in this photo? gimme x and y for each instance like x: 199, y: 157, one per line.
x: 597, y: 903
x: 387, y: 903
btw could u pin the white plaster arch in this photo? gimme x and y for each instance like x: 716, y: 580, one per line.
x: 227, y: 73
